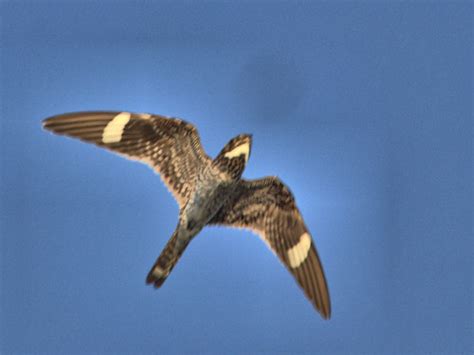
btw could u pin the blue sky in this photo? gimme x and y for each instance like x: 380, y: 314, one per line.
x: 364, y: 109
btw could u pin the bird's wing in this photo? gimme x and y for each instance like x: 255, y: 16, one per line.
x: 169, y: 145
x: 267, y: 207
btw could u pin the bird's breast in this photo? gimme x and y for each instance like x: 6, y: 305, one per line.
x: 206, y: 202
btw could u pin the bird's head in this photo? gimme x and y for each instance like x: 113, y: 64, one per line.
x: 234, y: 156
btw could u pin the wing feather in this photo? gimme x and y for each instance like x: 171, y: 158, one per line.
x: 168, y: 145
x: 267, y: 207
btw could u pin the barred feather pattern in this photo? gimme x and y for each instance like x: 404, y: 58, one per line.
x: 267, y: 207
x: 166, y: 261
x: 170, y: 146
x: 207, y: 191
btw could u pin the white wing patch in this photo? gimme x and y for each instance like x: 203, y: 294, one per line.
x: 242, y: 149
x: 114, y: 129
x: 299, y: 252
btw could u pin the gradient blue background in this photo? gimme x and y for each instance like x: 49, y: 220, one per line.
x: 363, y: 109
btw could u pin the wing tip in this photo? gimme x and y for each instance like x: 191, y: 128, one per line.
x: 49, y: 122
x: 325, y: 313
x: 46, y: 122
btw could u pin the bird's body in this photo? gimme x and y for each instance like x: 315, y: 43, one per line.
x: 208, y: 191
x: 212, y: 190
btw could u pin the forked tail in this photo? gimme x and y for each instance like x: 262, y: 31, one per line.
x: 166, y: 261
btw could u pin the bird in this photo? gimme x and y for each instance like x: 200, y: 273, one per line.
x: 208, y: 191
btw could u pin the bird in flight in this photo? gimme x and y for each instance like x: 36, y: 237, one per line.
x: 208, y: 191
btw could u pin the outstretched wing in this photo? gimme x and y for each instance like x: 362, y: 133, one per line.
x: 267, y: 207
x: 169, y: 145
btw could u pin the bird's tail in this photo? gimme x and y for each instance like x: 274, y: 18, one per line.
x: 166, y: 261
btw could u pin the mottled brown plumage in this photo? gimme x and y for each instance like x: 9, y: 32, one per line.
x: 267, y: 207
x: 169, y: 145
x: 208, y: 192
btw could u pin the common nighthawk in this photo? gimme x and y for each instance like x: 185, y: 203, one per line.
x: 208, y: 191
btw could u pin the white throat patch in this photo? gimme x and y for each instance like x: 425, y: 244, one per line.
x: 299, y: 252
x: 114, y: 129
x: 243, y: 149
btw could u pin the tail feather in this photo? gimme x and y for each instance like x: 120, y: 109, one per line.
x: 166, y: 261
